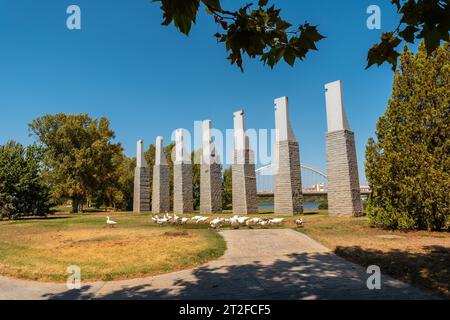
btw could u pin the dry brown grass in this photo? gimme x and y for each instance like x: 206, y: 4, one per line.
x: 421, y: 258
x: 31, y: 250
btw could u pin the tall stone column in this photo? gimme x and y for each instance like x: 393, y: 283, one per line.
x: 344, y: 198
x: 210, y: 174
x: 245, y: 199
x: 182, y: 176
x: 288, y: 181
x: 141, y: 198
x: 161, y: 177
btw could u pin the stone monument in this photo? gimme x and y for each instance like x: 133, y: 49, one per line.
x: 182, y: 177
x: 141, y: 199
x: 210, y: 174
x: 245, y: 199
x: 161, y: 177
x: 287, y: 170
x: 344, y: 198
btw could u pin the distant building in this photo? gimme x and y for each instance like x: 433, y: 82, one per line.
x: 320, y: 187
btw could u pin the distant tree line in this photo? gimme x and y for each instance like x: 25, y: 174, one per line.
x: 75, y: 160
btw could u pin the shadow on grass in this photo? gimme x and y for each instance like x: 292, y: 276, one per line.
x: 430, y: 270
x: 38, y: 218
x: 296, y: 276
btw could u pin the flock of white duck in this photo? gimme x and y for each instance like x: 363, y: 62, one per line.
x: 217, y: 223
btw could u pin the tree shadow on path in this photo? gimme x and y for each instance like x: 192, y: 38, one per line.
x: 296, y: 276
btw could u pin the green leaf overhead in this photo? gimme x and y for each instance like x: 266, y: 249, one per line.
x: 420, y: 19
x: 256, y: 30
x: 252, y: 31
x: 181, y: 12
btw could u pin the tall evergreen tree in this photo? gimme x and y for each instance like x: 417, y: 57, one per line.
x: 408, y: 164
x: 22, y: 187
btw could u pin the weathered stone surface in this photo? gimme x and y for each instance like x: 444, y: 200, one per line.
x: 141, y: 200
x: 161, y: 178
x: 344, y: 198
x: 182, y: 189
x: 210, y: 175
x: 245, y: 199
x: 287, y: 174
x: 211, y: 189
x: 288, y: 184
x: 182, y: 175
x: 141, y: 197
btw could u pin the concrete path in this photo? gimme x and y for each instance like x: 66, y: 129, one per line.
x: 259, y: 264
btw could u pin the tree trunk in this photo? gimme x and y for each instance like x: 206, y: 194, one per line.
x: 75, y: 205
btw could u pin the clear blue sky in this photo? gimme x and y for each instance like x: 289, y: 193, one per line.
x: 148, y: 79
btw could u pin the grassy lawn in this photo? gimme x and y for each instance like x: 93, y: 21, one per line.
x: 42, y: 249
x: 420, y: 258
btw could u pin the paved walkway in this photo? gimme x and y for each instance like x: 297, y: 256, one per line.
x: 259, y: 264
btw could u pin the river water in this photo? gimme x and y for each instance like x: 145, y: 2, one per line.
x: 307, y: 206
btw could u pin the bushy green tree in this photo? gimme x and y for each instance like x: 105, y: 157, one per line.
x: 118, y: 194
x: 323, y: 204
x: 227, y: 182
x: 408, y: 164
x: 196, y: 174
x: 79, y: 154
x: 22, y: 188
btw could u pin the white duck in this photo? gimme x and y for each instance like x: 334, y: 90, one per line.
x: 299, y: 223
x: 216, y: 223
x: 251, y: 222
x: 184, y: 220
x: 242, y: 220
x: 202, y: 219
x: 276, y: 221
x: 110, y: 222
x: 162, y: 221
x: 264, y: 223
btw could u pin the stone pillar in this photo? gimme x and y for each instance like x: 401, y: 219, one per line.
x: 344, y: 198
x: 287, y: 174
x: 141, y: 198
x: 210, y: 174
x: 182, y: 177
x: 161, y: 177
x: 245, y: 199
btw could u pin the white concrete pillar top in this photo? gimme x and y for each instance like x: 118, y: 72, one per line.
x: 207, y: 139
x: 160, y: 157
x: 140, y: 159
x: 239, y: 131
x: 336, y: 117
x: 282, y: 123
x: 181, y: 153
x: 210, y: 155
